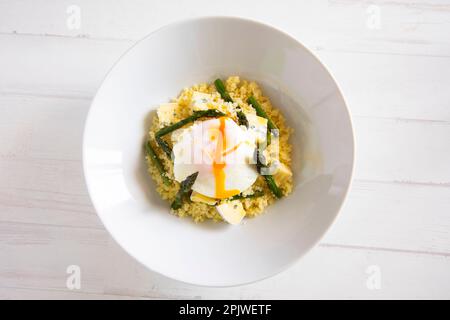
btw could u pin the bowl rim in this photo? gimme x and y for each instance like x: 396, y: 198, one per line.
x: 212, y: 18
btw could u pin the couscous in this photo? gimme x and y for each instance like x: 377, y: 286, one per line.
x: 220, y: 151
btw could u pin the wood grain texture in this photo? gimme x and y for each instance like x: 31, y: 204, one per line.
x: 74, y: 68
x: 395, y: 79
x: 40, y: 294
x: 106, y: 269
x: 41, y: 178
x: 407, y: 28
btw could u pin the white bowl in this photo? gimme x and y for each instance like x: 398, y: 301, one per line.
x: 155, y: 70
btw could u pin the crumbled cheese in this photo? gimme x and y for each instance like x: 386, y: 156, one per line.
x: 198, y: 197
x: 232, y: 212
x: 257, y: 126
x: 200, y: 101
x: 282, y: 174
x: 166, y: 112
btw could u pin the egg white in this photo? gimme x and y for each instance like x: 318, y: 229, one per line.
x: 195, y: 148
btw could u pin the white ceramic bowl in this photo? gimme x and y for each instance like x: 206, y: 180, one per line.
x: 155, y: 70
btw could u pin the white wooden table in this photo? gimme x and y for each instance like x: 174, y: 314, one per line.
x: 392, y: 59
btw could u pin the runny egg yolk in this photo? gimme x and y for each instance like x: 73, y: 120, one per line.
x: 219, y: 164
x: 219, y: 150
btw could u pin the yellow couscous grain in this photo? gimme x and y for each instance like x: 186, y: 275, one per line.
x: 239, y: 90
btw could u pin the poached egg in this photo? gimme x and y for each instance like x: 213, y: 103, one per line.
x: 221, y: 152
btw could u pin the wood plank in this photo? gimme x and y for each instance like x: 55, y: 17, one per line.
x: 402, y: 151
x: 41, y: 171
x: 75, y: 67
x: 376, y: 214
x: 408, y: 28
x: 41, y: 127
x: 387, y: 149
x: 392, y: 86
x: 43, y: 294
x: 325, y: 273
x: 41, y: 178
x: 55, y: 66
x: 394, y: 215
x: 36, y: 258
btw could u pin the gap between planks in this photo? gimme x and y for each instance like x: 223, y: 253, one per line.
x: 320, y: 244
x: 67, y: 294
x: 369, y: 248
x: 130, y: 41
x: 19, y: 94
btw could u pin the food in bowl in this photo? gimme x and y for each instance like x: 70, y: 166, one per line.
x: 220, y: 151
x: 125, y: 198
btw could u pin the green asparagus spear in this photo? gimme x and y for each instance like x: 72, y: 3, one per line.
x: 269, y: 179
x: 210, y: 113
x: 220, y: 87
x: 242, y: 119
x: 273, y: 186
x: 164, y: 146
x: 259, y: 159
x: 261, y: 113
x: 185, y: 188
x: 256, y: 194
x: 157, y: 162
